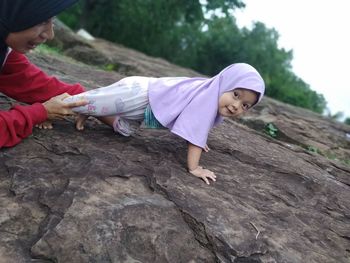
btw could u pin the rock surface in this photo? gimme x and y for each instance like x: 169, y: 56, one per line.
x: 94, y: 196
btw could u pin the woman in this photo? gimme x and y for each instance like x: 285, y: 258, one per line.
x: 24, y: 25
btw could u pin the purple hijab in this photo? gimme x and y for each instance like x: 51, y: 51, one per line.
x: 189, y: 106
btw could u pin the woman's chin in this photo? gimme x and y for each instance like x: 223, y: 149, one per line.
x: 21, y: 50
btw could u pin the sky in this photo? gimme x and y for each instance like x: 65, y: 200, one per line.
x: 318, y: 33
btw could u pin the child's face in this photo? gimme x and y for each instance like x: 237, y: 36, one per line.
x: 28, y: 39
x: 235, y: 102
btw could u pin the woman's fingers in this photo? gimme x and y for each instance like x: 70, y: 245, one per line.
x: 77, y: 103
x: 63, y: 96
x: 73, y: 104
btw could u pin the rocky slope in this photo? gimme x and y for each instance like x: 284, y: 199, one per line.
x: 94, y: 196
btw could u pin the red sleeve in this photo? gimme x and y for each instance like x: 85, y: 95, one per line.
x: 17, y: 123
x: 23, y: 81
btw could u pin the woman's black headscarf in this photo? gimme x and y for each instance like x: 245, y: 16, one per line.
x: 18, y: 15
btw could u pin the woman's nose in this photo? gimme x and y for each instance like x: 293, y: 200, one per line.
x: 48, y: 33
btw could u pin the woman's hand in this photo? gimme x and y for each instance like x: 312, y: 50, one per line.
x: 204, y: 174
x: 57, y: 109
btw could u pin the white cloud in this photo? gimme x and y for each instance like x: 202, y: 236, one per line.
x: 317, y: 31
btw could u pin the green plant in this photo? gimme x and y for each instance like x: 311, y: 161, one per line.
x: 271, y: 130
x: 111, y: 67
x: 347, y: 121
x: 313, y: 149
x: 347, y: 162
x: 43, y: 48
x: 329, y: 155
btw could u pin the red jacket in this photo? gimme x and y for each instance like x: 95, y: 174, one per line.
x: 24, y: 82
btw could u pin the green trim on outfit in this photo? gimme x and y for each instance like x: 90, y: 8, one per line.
x: 150, y: 120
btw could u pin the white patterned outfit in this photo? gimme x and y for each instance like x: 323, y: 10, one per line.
x: 127, y: 98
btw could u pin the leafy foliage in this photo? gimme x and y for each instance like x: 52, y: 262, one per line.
x: 43, y: 48
x: 313, y: 149
x: 198, y: 34
x: 347, y: 121
x: 271, y: 130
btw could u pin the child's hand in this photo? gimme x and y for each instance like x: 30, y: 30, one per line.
x: 206, y: 148
x: 204, y: 174
x: 45, y: 125
x: 80, y: 121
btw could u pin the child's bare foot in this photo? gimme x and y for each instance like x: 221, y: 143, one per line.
x: 45, y: 125
x: 80, y: 122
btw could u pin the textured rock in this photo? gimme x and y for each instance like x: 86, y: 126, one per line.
x: 94, y: 196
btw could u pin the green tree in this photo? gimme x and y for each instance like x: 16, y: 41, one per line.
x: 157, y: 27
x: 198, y: 34
x: 336, y: 116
